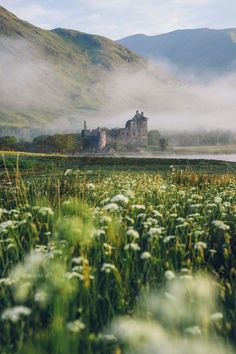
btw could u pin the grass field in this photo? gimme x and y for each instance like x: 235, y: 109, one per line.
x: 117, y: 256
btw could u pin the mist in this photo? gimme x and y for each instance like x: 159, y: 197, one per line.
x: 29, y: 82
x: 171, y: 103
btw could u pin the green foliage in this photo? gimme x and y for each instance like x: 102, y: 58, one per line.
x: 8, y: 143
x: 163, y: 143
x: 154, y: 137
x: 59, y: 143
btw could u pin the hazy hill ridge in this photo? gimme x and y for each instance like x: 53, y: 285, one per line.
x: 201, y: 50
x: 50, y: 74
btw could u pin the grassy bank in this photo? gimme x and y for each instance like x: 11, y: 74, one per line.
x: 36, y: 164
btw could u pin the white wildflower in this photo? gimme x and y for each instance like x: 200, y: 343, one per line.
x: 141, y: 216
x: 132, y: 246
x: 45, y: 211
x: 41, y: 297
x: 68, y: 172
x: 138, y: 207
x: 105, y: 219
x: 155, y: 231
x: 200, y: 245
x: 90, y: 186
x: 15, y: 313
x: 28, y: 215
x: 99, y: 233
x: 194, y: 331
x: 75, y: 326
x: 199, y: 233
x: 133, y: 233
x: 180, y: 220
x: 156, y: 214
x: 108, y: 267
x: 217, y: 200
x: 145, y: 255
x: 120, y: 198
x: 130, y: 220
x: 220, y: 225
x: 72, y: 275
x: 6, y: 281
x: 111, y: 207
x: 169, y: 275
x: 79, y: 260
x: 167, y: 239
x: 185, y: 270
x: 7, y: 224
x: 217, y: 316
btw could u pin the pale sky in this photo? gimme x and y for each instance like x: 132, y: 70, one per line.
x: 119, y: 18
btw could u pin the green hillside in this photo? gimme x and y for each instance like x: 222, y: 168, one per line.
x: 201, y: 51
x: 50, y: 77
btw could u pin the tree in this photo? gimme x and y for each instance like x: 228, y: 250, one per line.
x: 163, y: 144
x: 154, y: 137
x: 58, y: 143
x: 8, y: 142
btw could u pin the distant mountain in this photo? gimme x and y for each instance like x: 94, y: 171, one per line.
x: 199, y: 51
x: 46, y: 75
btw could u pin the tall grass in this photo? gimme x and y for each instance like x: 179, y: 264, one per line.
x: 77, y: 251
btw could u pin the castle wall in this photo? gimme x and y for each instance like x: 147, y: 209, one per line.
x: 94, y: 139
x: 135, y: 133
x: 102, y: 141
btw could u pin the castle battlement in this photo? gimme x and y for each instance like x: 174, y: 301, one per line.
x: 135, y: 133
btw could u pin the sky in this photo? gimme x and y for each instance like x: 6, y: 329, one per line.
x: 116, y: 19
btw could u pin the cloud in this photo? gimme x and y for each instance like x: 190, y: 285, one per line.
x: 194, y: 3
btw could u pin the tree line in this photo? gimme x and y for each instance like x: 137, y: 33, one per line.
x: 72, y: 143
x: 58, y: 143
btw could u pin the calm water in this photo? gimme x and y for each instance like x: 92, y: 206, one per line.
x: 220, y: 157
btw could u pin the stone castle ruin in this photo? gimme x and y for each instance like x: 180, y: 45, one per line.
x: 94, y: 139
x: 135, y: 133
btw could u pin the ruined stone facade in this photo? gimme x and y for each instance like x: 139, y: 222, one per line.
x: 94, y: 139
x: 135, y: 133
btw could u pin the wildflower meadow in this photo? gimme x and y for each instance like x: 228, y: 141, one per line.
x: 118, y: 262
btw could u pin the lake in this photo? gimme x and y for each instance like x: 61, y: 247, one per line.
x: 218, y: 157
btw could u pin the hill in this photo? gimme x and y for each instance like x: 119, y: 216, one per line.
x: 52, y: 77
x: 199, y: 51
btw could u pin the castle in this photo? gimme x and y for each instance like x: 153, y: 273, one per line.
x: 135, y: 133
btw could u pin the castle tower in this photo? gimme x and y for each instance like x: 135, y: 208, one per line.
x: 102, y: 139
x: 137, y: 130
